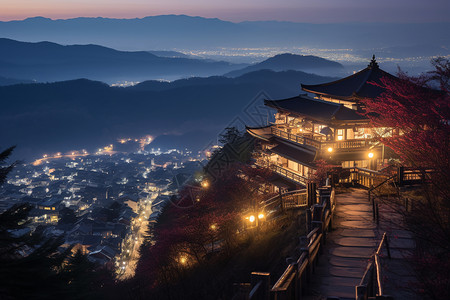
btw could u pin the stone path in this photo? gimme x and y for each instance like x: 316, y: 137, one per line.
x: 351, y: 244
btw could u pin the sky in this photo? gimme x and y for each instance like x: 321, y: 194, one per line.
x: 310, y: 11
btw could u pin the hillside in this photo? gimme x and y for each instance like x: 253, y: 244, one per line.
x: 287, y: 61
x: 77, y: 114
x: 45, y: 61
x: 11, y: 81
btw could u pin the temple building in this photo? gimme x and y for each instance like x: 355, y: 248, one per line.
x: 330, y: 126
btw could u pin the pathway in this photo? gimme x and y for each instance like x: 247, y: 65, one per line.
x: 351, y: 244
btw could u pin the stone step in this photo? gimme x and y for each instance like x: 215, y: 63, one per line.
x: 359, y: 224
x: 356, y: 242
x: 368, y: 233
x: 347, y: 272
x: 356, y: 252
x: 348, y: 262
x: 354, y: 207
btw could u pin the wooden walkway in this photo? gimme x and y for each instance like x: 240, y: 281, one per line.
x: 350, y: 246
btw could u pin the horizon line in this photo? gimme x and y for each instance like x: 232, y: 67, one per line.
x: 215, y: 18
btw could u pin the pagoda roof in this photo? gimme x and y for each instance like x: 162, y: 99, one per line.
x: 354, y: 87
x: 316, y: 109
x: 263, y: 133
x: 296, y: 154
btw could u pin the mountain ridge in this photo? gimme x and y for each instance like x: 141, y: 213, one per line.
x: 187, y: 32
x: 63, y: 116
x: 289, y: 61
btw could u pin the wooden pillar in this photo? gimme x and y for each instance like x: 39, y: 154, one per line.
x: 401, y: 172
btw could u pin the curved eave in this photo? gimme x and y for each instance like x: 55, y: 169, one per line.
x: 351, y: 98
x: 253, y: 131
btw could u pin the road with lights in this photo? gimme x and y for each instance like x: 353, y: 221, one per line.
x: 127, y: 260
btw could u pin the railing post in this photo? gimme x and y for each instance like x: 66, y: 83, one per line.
x: 374, y: 211
x: 401, y: 172
x: 308, y: 220
x: 361, y: 292
x: 378, y: 215
x: 264, y: 288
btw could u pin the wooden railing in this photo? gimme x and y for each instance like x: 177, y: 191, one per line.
x: 297, y: 276
x: 364, y: 177
x: 323, y: 145
x: 371, y: 284
x: 293, y: 199
x: 295, y: 138
x: 297, y: 178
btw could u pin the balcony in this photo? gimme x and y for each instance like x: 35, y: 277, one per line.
x: 286, y: 173
x: 347, y: 145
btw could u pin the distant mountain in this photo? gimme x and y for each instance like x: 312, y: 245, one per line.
x: 68, y: 115
x: 11, y: 81
x: 287, y: 61
x: 163, y: 53
x: 45, y: 61
x: 185, y: 32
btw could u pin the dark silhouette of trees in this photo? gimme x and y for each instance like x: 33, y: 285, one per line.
x: 4, y: 170
x: 201, y: 227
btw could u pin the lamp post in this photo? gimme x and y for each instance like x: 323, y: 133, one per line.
x: 371, y: 156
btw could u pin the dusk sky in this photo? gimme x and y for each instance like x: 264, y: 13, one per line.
x: 316, y: 11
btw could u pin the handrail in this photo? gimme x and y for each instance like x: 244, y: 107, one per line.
x: 276, y: 198
x: 378, y: 185
x: 366, y: 283
x: 254, y: 290
x: 297, y: 178
x: 287, y: 274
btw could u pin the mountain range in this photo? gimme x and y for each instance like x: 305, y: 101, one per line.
x: 171, y: 32
x: 63, y: 116
x: 288, y: 61
x: 45, y: 61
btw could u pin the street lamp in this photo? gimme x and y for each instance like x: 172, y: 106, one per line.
x: 205, y: 184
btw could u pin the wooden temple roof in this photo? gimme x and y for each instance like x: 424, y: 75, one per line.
x: 354, y: 87
x: 316, y: 109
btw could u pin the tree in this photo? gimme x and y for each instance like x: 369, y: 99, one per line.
x: 419, y: 115
x: 186, y: 233
x: 4, y: 170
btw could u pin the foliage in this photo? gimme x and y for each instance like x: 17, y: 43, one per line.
x: 204, y: 221
x: 237, y: 147
x: 322, y: 171
x: 4, y: 170
x: 420, y: 117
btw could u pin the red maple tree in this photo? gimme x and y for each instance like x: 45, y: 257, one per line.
x: 418, y: 111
